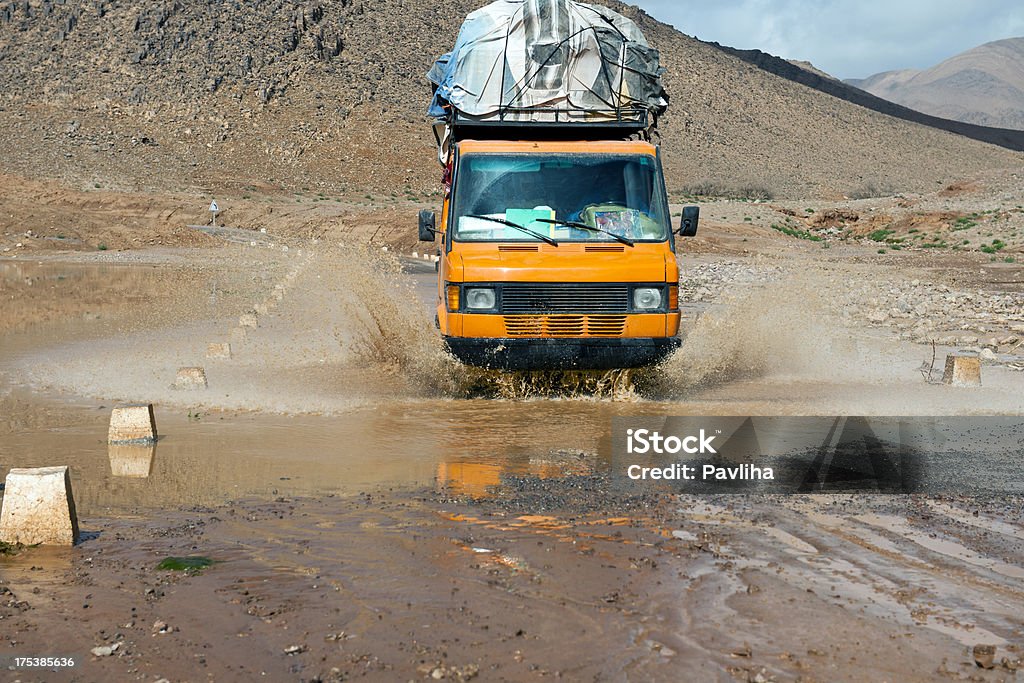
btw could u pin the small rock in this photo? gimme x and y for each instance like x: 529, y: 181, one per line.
x: 987, y: 354
x: 294, y: 649
x: 160, y: 627
x: 107, y: 650
x: 984, y: 656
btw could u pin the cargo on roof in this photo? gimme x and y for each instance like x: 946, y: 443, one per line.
x: 548, y: 62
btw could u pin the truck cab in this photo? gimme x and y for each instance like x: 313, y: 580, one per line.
x: 556, y: 254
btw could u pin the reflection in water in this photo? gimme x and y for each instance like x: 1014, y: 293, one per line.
x: 131, y: 460
x: 466, y: 445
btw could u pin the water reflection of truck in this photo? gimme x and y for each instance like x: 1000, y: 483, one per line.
x: 556, y: 243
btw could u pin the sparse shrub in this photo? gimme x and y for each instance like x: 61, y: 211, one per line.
x: 880, y: 234
x: 718, y: 189
x: 871, y: 189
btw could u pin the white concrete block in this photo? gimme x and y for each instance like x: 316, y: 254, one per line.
x: 190, y: 378
x: 39, y: 507
x: 962, y: 370
x: 132, y: 423
x: 249, y: 320
x: 218, y: 350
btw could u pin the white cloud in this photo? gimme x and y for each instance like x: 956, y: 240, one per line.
x: 847, y: 38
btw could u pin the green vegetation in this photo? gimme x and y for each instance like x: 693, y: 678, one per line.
x: 794, y: 232
x: 880, y: 234
x: 102, y: 247
x: 193, y: 564
x: 10, y: 549
x: 964, y: 223
x: 1009, y: 259
x: 997, y: 245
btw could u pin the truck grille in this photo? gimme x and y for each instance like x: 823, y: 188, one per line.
x: 564, y: 298
x: 565, y: 325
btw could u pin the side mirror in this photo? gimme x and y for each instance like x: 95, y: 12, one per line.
x: 688, y: 222
x: 428, y: 226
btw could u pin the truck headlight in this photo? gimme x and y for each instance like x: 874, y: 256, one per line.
x: 479, y: 298
x: 646, y: 298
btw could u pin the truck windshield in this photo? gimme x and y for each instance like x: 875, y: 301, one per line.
x: 621, y: 195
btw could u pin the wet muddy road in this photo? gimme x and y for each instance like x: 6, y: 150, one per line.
x: 374, y: 509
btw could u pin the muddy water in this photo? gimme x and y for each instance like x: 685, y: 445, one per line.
x: 342, y: 387
x: 343, y: 384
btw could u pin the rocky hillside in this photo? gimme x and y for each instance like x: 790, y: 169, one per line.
x: 983, y: 86
x: 265, y: 94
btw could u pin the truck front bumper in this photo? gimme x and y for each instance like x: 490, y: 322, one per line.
x: 561, y: 354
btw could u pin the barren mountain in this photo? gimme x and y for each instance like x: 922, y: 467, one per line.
x: 983, y: 86
x: 274, y: 94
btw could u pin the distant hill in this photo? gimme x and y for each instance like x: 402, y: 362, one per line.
x: 984, y: 86
x: 805, y: 74
x: 330, y: 96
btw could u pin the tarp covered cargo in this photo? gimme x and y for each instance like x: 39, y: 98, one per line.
x: 547, y: 61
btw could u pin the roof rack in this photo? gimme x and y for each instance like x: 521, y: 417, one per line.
x: 549, y: 124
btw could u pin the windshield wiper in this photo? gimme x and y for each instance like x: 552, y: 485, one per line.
x: 584, y: 226
x: 543, y: 238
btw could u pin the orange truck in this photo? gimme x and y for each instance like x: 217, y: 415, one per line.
x: 557, y: 249
x: 555, y: 253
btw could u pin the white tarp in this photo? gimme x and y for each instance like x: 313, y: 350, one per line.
x: 522, y: 60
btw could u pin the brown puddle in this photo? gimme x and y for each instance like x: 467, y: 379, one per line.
x: 342, y: 385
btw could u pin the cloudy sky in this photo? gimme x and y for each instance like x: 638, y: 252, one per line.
x: 847, y: 38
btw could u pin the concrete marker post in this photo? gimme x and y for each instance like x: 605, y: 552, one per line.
x: 218, y: 351
x: 39, y: 507
x: 962, y: 370
x: 190, y: 378
x: 132, y: 423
